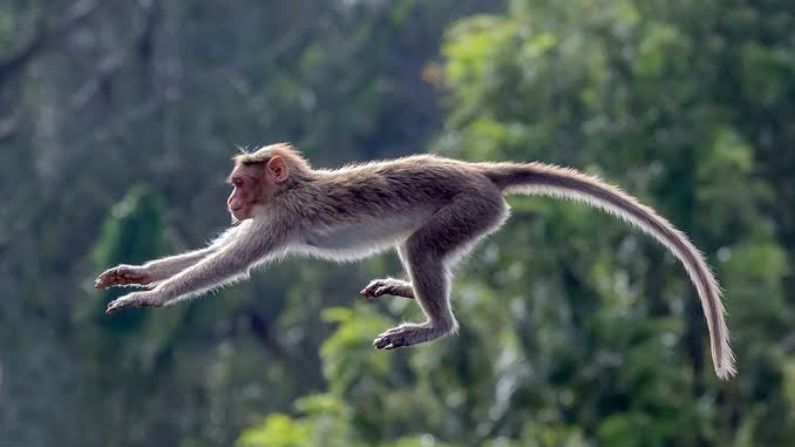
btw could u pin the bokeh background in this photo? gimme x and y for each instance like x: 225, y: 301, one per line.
x: 117, y: 122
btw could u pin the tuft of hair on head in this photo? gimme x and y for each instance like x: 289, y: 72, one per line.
x: 295, y: 160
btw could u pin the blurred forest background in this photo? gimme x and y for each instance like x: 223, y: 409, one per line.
x: 117, y: 122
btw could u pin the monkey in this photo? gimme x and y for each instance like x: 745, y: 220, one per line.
x: 431, y: 209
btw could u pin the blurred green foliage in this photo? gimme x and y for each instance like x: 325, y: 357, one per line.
x: 576, y: 330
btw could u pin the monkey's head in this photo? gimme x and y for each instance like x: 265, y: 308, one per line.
x: 260, y: 176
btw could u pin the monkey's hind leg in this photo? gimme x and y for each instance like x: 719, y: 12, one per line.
x: 430, y: 278
x: 390, y: 286
x: 429, y: 252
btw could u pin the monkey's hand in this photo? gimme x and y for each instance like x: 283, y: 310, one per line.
x: 387, y: 286
x: 135, y: 299
x: 123, y: 275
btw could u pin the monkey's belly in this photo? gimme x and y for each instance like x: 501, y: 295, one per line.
x: 362, y: 239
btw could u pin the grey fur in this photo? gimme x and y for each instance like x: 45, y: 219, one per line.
x: 432, y: 209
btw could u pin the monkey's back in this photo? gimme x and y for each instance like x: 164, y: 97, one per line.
x: 388, y: 187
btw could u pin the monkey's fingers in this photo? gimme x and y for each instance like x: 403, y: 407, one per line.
x: 133, y: 299
x: 120, y: 276
x: 116, y: 305
x: 105, y: 280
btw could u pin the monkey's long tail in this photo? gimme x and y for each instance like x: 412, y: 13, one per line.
x: 555, y: 181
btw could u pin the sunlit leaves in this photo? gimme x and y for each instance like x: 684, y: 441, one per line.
x: 279, y: 430
x: 348, y: 353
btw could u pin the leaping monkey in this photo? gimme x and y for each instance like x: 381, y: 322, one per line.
x: 432, y: 209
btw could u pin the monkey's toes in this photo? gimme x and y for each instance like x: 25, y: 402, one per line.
x: 375, y: 289
x: 399, y: 337
x: 390, y: 342
x: 380, y: 287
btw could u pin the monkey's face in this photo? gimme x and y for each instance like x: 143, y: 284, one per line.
x: 247, y: 191
x: 253, y: 184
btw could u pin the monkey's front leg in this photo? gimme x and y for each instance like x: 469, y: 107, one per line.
x: 212, y: 271
x: 225, y: 265
x: 151, y: 272
x: 160, y: 269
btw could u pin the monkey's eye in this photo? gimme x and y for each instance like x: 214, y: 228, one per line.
x: 237, y: 183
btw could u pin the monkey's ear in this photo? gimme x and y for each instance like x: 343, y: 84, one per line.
x: 277, y: 169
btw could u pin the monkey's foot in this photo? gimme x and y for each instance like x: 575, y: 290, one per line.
x: 409, y: 334
x: 387, y: 286
x: 122, y: 275
x: 137, y: 299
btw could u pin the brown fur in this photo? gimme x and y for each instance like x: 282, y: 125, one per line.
x: 431, y: 208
